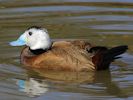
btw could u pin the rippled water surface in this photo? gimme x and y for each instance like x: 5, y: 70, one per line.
x: 102, y: 22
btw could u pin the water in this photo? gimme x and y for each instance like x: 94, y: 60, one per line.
x: 101, y: 22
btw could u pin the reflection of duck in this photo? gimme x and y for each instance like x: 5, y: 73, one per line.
x: 63, y: 55
x: 68, y: 82
x: 32, y: 86
x: 65, y: 76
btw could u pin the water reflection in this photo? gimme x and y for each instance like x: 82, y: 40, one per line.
x: 40, y: 83
x: 32, y: 86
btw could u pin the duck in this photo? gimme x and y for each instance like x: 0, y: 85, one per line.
x: 40, y: 52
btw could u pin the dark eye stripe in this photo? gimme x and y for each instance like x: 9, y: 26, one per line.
x: 30, y: 33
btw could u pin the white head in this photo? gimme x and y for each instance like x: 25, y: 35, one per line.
x: 35, y: 38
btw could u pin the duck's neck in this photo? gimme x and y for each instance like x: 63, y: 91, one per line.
x: 39, y: 51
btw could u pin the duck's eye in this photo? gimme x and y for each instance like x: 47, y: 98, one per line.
x: 30, y: 33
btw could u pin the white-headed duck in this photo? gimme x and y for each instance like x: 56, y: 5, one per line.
x: 78, y: 55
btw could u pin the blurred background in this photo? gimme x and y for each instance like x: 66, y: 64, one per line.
x: 101, y: 22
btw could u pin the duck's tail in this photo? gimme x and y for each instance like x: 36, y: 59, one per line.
x: 103, y: 56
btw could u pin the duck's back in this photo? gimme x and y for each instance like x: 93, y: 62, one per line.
x: 64, y: 55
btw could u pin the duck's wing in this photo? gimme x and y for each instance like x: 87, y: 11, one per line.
x: 70, y: 55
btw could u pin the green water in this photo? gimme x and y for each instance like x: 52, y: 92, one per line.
x: 108, y: 23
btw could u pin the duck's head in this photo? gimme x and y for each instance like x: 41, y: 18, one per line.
x: 35, y: 37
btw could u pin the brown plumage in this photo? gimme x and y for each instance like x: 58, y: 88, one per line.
x: 72, y: 56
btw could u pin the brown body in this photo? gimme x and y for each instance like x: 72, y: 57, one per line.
x: 69, y: 56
